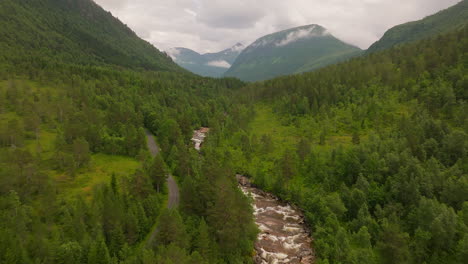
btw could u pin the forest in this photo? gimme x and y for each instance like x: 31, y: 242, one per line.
x: 373, y: 150
x: 77, y: 182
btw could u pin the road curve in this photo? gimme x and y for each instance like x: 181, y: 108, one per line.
x: 173, y: 199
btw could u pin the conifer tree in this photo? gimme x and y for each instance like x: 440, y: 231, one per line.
x: 158, y: 173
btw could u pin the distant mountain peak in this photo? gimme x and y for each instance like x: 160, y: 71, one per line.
x: 290, y: 51
x: 208, y: 64
x: 238, y: 47
x: 289, y: 36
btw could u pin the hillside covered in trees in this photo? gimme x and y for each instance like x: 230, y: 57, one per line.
x: 37, y: 32
x: 373, y: 150
x: 449, y: 19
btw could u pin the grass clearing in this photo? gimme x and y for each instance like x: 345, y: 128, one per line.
x: 267, y: 123
x: 99, y: 172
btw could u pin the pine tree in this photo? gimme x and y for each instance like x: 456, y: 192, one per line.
x: 158, y: 173
x: 356, y: 139
x: 189, y: 200
x: 303, y: 149
x: 99, y: 254
x: 171, y: 229
x: 203, y: 245
x: 81, y: 152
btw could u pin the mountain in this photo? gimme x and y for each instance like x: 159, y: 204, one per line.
x: 290, y: 51
x: 73, y: 31
x: 209, y: 64
x: 443, y: 21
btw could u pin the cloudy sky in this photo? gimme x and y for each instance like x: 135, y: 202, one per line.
x: 213, y: 25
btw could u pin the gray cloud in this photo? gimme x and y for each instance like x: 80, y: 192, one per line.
x: 113, y: 4
x: 230, y: 14
x: 213, y: 25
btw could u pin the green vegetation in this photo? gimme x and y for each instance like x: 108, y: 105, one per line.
x: 77, y: 185
x: 73, y: 157
x: 373, y: 150
x: 290, y: 51
x: 452, y: 18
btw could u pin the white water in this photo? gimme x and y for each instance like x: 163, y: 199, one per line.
x: 199, y: 136
x: 283, y: 236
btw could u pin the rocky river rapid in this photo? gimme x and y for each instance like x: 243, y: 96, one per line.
x: 284, y: 236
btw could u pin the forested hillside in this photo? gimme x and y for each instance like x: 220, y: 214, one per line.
x: 39, y: 32
x: 77, y: 184
x: 373, y: 150
x: 452, y: 18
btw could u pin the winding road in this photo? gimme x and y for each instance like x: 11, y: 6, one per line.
x: 173, y: 199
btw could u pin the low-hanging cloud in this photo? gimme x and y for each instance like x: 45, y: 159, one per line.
x: 300, y: 34
x: 113, y: 4
x: 213, y: 25
x: 219, y: 64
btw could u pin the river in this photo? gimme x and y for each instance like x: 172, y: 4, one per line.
x: 283, y: 237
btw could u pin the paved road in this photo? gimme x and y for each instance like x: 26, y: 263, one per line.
x: 173, y: 199
x: 152, y: 146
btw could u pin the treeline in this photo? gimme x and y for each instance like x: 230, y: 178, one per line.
x: 379, y: 160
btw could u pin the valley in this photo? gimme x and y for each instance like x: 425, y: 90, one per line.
x: 297, y: 148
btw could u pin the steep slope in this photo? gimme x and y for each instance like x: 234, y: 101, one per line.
x: 290, y: 51
x: 73, y: 31
x: 443, y: 21
x: 209, y: 64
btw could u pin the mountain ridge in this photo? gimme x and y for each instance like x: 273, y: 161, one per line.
x: 81, y: 32
x: 446, y: 20
x: 290, y: 51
